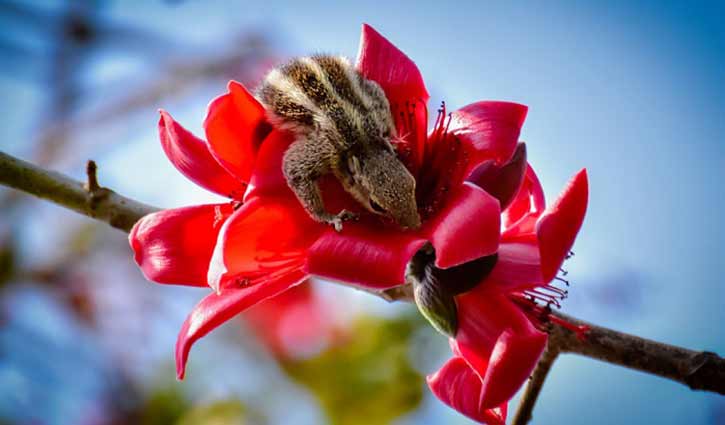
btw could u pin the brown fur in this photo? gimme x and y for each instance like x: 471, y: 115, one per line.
x: 343, y: 126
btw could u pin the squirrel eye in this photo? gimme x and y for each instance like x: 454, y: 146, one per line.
x: 376, y: 207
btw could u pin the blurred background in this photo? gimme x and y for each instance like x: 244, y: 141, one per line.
x: 634, y: 91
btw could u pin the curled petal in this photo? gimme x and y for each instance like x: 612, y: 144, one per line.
x: 190, y: 155
x: 489, y: 130
x: 379, y: 60
x: 458, y: 386
x: 513, y: 359
x: 261, y: 236
x: 216, y: 309
x: 529, y: 199
x: 502, y: 182
x: 370, y: 256
x: 522, y: 230
x: 467, y: 228
x: 558, y: 226
x: 518, y: 267
x: 174, y: 246
x: 484, y: 314
x: 268, y: 177
x: 235, y: 128
x: 498, y: 341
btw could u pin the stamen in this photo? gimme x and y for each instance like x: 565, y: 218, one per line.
x: 448, y: 123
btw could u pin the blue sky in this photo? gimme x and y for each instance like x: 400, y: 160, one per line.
x: 633, y: 91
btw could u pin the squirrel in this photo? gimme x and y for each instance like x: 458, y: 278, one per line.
x: 342, y: 125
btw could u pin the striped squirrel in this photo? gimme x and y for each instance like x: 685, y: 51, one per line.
x: 342, y: 125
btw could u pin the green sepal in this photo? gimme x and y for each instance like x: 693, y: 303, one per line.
x: 436, y: 305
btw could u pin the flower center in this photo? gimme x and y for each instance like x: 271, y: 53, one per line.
x: 436, y: 160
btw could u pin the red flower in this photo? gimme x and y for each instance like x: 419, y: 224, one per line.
x: 498, y: 341
x: 295, y: 323
x: 264, y: 243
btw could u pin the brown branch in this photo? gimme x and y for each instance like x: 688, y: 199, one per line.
x: 536, y: 383
x: 699, y: 370
x: 89, y: 199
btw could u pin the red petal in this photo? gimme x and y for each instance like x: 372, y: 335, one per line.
x: 498, y: 341
x: 293, y: 324
x: 558, y: 226
x: 513, y: 359
x: 458, y: 386
x: 268, y: 177
x: 489, y: 130
x: 484, y: 313
x: 518, y: 267
x: 502, y: 182
x: 235, y: 128
x: 190, y: 155
x: 175, y: 246
x: 379, y: 60
x: 529, y: 199
x: 467, y: 228
x: 261, y: 236
x: 216, y: 309
x: 364, y: 253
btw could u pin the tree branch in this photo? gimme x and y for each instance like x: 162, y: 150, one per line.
x: 536, y: 383
x: 699, y: 370
x: 90, y: 199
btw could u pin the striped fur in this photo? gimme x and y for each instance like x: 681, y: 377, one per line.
x: 326, y: 94
x: 342, y: 125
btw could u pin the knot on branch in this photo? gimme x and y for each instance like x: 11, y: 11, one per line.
x: 705, y: 371
x: 96, y: 193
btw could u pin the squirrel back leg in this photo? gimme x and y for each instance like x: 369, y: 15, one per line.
x: 304, y: 163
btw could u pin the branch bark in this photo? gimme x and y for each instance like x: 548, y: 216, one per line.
x: 536, y: 383
x: 90, y: 199
x: 699, y: 370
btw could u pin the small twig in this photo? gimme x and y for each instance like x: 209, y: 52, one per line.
x: 536, y: 383
x: 92, y: 182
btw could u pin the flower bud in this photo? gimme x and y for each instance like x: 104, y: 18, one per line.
x: 434, y: 302
x: 436, y: 305
x: 434, y: 289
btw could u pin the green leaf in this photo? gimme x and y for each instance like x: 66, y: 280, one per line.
x: 163, y: 406
x: 229, y: 412
x: 367, y: 379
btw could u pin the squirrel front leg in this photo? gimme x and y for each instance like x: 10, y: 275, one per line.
x: 304, y: 163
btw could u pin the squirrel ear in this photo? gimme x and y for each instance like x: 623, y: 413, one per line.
x: 353, y: 164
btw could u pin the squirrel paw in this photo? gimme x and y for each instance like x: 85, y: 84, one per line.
x: 337, y: 220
